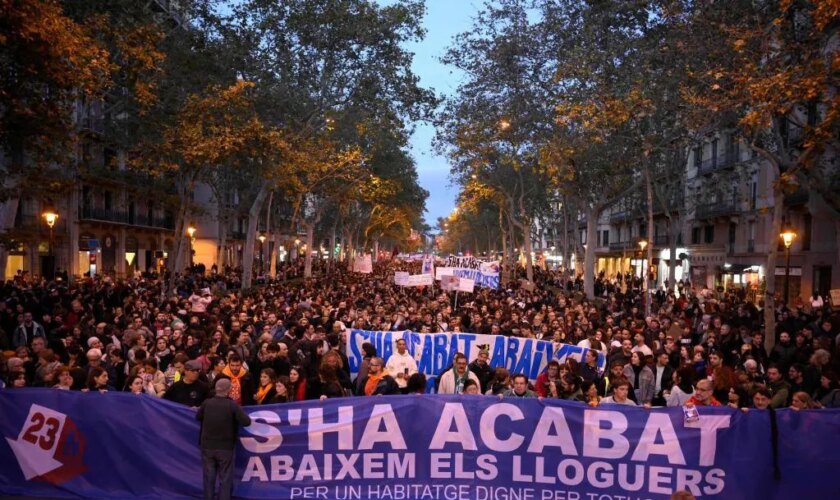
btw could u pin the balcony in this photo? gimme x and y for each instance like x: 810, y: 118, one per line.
x: 624, y: 215
x: 716, y: 163
x: 120, y: 217
x: 672, y: 205
x: 621, y: 246
x: 661, y: 240
x: 713, y: 210
x: 34, y: 223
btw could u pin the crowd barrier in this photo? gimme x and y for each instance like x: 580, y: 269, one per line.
x: 118, y: 445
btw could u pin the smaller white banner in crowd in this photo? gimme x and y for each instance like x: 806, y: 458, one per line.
x: 456, y: 284
x: 402, y: 278
x: 363, y: 264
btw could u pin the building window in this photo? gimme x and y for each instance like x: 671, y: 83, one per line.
x: 732, y: 229
x: 806, y: 232
x: 709, y: 234
x: 698, y: 156
x: 813, y: 114
x: 606, y: 238
x: 714, y: 151
x: 695, y: 235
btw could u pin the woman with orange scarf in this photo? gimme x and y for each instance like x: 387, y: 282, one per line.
x: 266, y: 391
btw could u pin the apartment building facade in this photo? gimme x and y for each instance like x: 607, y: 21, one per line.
x: 725, y: 215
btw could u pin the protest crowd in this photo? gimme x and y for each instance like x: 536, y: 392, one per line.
x: 285, y: 340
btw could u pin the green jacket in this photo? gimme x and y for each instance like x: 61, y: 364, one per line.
x: 781, y: 394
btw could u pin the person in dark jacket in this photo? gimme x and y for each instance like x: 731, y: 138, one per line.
x: 189, y: 391
x: 481, y: 368
x: 220, y: 419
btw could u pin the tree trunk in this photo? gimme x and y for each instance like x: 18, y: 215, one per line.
x: 566, y: 259
x: 222, y: 239
x: 175, y: 260
x: 514, y: 258
x: 576, y: 247
x: 251, y: 236
x: 267, y: 246
x: 348, y: 249
x: 331, y: 259
x: 592, y: 215
x: 505, y: 248
x: 770, y: 270
x: 274, y: 254
x: 529, y: 259
x: 646, y: 270
x: 673, y: 234
x: 307, y: 260
x: 72, y: 234
x: 376, y: 250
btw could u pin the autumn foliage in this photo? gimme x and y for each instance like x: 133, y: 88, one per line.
x: 47, y: 59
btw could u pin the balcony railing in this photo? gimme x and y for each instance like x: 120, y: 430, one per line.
x: 621, y: 216
x: 618, y: 246
x: 121, y: 217
x: 720, y: 209
x: 716, y: 163
x: 31, y: 222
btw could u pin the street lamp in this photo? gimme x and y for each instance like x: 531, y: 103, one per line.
x: 788, y: 235
x: 191, y: 233
x: 262, y: 239
x: 51, y: 216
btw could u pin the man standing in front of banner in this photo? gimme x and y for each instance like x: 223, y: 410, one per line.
x: 452, y: 381
x: 220, y: 419
x: 401, y: 365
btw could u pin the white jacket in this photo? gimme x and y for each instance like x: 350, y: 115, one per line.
x: 398, y: 364
x: 447, y: 381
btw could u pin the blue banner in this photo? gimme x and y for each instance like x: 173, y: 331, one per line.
x: 116, y: 445
x: 434, y: 352
x: 486, y: 274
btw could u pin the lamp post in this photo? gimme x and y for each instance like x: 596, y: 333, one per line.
x: 262, y: 239
x: 642, y: 245
x: 788, y: 235
x: 191, y: 234
x: 51, y: 216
